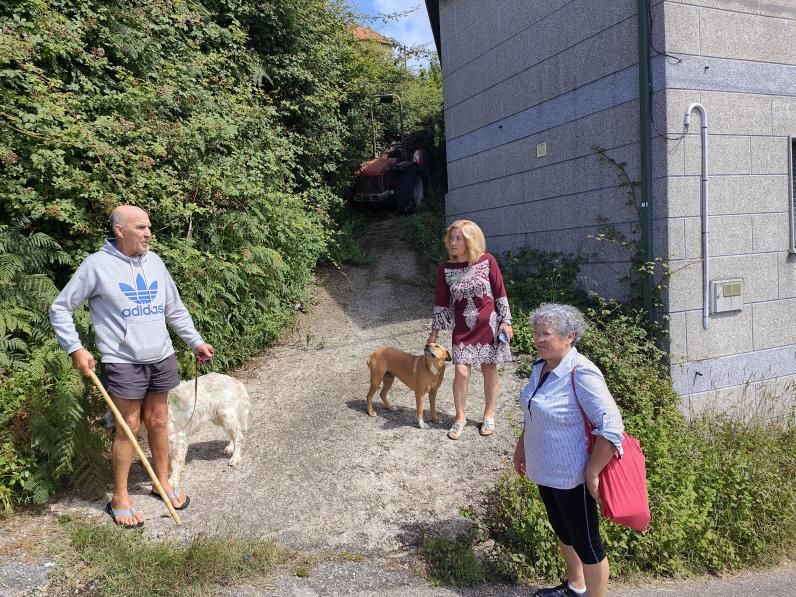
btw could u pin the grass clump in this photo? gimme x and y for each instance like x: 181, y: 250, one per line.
x: 120, y: 562
x: 451, y: 559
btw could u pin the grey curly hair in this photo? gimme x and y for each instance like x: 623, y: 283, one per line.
x: 563, y: 318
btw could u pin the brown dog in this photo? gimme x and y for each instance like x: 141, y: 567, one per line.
x: 422, y: 374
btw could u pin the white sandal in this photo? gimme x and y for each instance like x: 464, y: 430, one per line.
x: 455, y: 432
x: 487, y: 427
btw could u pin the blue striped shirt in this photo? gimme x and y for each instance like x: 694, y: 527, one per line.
x: 556, y: 449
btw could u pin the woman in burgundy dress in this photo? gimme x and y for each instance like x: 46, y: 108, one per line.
x: 471, y: 300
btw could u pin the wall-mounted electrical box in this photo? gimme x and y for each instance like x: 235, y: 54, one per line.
x: 726, y: 295
x: 541, y: 150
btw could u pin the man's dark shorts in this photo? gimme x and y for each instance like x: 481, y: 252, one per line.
x: 133, y: 382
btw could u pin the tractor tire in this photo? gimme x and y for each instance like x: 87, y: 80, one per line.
x: 410, y: 190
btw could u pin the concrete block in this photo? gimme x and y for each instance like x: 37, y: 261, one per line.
x: 783, y: 116
x: 609, y: 51
x: 729, y: 235
x: 561, y: 214
x: 771, y: 232
x: 678, y: 341
x: 447, y: 24
x: 700, y: 73
x: 518, y: 15
x: 736, y: 113
x: 552, y: 180
x: 736, y: 402
x: 457, y: 120
x: 773, y: 324
x: 606, y: 93
x: 606, y: 279
x: 681, y: 29
x: 476, y: 112
x: 579, y: 20
x: 448, y: 123
x: 682, y: 196
x: 769, y: 155
x: 472, y: 78
x: 745, y: 6
x: 560, y: 30
x: 776, y: 398
x: 675, y: 233
x: 726, y: 154
x: 532, y: 86
x: 478, y: 39
x: 747, y: 37
x: 727, y: 334
x: 566, y: 142
x: 514, y: 55
x: 673, y: 103
x: 758, y: 271
x: 467, y: 13
x: 668, y: 157
x: 692, y: 233
x: 685, y: 285
x: 748, y: 194
x: 734, y: 370
x: 660, y: 237
x: 778, y: 8
x: 787, y: 275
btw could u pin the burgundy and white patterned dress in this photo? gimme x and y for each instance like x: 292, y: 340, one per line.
x: 471, y: 300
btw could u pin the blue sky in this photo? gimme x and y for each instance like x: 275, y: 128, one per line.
x: 410, y: 30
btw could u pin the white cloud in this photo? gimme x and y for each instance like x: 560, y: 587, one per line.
x: 411, y: 30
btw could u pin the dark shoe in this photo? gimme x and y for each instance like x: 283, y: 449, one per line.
x: 561, y: 590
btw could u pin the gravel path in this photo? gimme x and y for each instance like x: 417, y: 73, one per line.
x: 319, y: 474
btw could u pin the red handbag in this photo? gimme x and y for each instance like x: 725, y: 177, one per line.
x: 623, y: 481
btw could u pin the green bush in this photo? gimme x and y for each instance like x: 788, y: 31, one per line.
x: 451, y: 560
x: 234, y: 123
x: 120, y: 562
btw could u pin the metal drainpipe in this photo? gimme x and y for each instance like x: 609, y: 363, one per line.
x: 703, y: 192
x: 645, y: 130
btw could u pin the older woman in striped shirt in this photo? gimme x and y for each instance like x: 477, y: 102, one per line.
x: 553, y: 450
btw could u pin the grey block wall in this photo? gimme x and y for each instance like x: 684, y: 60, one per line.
x: 520, y: 73
x: 737, y: 58
x: 557, y: 72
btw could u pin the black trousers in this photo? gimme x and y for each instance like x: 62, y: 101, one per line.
x: 573, y: 515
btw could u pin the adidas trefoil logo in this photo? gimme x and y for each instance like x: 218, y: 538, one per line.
x: 141, y: 295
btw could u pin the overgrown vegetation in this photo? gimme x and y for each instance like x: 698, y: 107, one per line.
x: 234, y: 123
x: 111, y: 561
x: 714, y: 506
x: 452, y: 561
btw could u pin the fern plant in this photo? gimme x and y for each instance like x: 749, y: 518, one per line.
x: 25, y: 290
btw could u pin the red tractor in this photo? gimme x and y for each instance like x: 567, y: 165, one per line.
x: 392, y: 178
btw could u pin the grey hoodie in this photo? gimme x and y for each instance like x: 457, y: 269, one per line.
x: 131, y: 299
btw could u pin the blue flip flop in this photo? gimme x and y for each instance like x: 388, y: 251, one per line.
x: 174, y: 494
x: 124, y: 512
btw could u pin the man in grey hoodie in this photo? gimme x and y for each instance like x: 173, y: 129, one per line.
x: 131, y: 300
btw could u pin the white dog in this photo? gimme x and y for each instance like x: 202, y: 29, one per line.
x: 222, y: 400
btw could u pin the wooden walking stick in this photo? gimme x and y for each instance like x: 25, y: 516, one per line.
x: 123, y: 424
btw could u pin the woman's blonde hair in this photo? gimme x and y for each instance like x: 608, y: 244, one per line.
x: 473, y: 236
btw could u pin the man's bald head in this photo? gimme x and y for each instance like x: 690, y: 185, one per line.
x: 122, y: 214
x: 132, y: 229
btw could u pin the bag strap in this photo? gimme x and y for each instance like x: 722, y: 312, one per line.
x: 586, y: 423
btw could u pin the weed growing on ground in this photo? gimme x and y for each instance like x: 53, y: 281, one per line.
x: 121, y: 562
x: 451, y: 559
